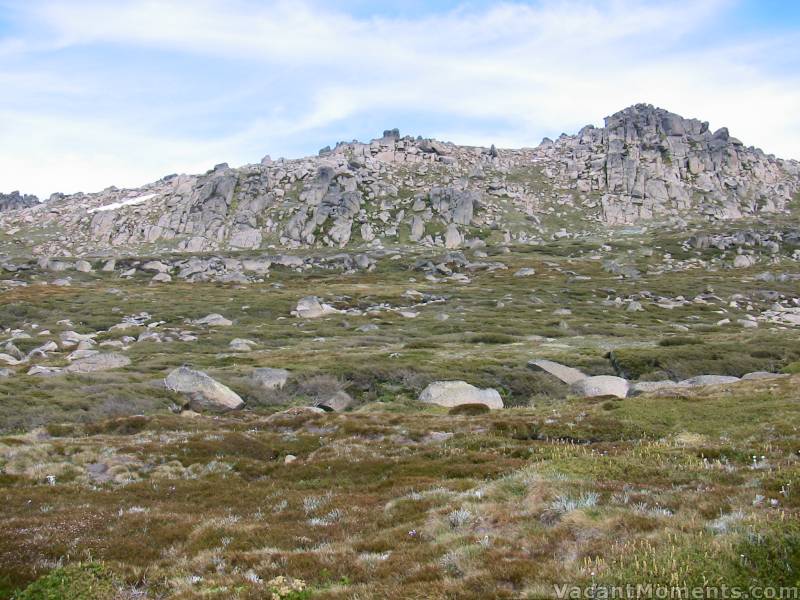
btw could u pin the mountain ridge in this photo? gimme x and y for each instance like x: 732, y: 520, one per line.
x: 645, y: 165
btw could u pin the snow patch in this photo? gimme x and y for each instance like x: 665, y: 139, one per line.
x: 128, y: 202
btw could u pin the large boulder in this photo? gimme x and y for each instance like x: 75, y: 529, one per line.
x: 201, y: 391
x: 269, y: 379
x: 601, y: 385
x: 455, y: 393
x: 99, y: 362
x: 566, y: 374
x: 337, y: 402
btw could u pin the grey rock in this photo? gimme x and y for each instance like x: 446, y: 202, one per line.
x: 601, y: 385
x: 337, y: 402
x: 241, y: 345
x: 647, y: 387
x: 17, y: 201
x: 83, y: 266
x: 310, y: 307
x: 269, y: 379
x: 743, y: 261
x: 42, y: 371
x: 155, y: 266
x: 161, y: 278
x: 708, y: 380
x: 452, y: 237
x: 561, y: 372
x: 756, y: 375
x: 214, y: 320
x: 456, y: 393
x: 201, y: 391
x: 98, y: 362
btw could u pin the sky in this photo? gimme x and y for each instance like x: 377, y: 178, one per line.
x: 96, y: 93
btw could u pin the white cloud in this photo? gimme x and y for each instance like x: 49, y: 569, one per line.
x: 524, y: 70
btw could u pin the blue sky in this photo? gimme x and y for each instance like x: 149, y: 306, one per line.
x: 99, y: 93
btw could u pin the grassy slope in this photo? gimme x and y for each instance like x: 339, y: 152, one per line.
x: 513, y: 502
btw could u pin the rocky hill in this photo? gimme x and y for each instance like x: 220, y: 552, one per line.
x: 646, y: 165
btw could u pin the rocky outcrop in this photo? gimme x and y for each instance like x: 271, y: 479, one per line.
x: 644, y: 164
x: 647, y: 163
x: 15, y: 201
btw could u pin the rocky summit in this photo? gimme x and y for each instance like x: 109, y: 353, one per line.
x: 646, y: 165
x: 409, y: 369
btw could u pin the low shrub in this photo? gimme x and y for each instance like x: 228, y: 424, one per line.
x: 469, y: 410
x: 80, y: 581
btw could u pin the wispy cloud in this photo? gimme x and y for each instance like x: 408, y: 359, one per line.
x: 125, y: 92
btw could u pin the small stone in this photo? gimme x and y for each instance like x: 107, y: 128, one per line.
x: 214, y: 320
x: 310, y: 307
x: 241, y: 345
x: 161, y: 278
x: 83, y: 266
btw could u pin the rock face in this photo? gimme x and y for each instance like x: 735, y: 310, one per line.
x: 455, y: 393
x: 644, y: 164
x: 201, y: 391
x: 15, y: 201
x: 601, y: 385
x: 98, y: 362
x: 648, y: 162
